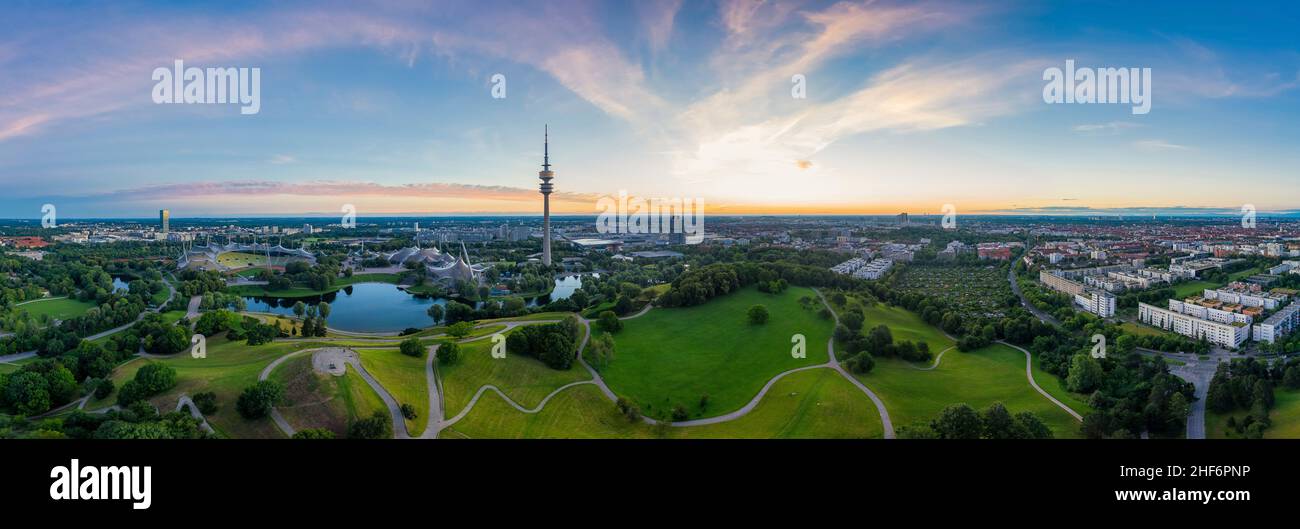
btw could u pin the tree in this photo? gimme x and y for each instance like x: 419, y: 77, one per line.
x: 1085, y: 374
x: 257, y: 400
x: 150, y: 380
x: 852, y: 319
x: 28, y: 392
x: 1178, y: 411
x: 758, y: 314
x: 408, y: 411
x: 600, y: 352
x: 958, y: 421
x: 411, y: 347
x: 557, y: 351
x: 951, y: 322
x: 1032, y: 427
x: 998, y: 423
x: 460, y: 329
x: 1291, y: 377
x: 457, y: 311
x: 103, y: 388
x: 449, y: 354
x: 313, y: 433
x: 610, y: 322
x: 377, y: 426
x: 435, y: 312
x: 324, y: 310
x: 299, y: 309
x: 862, y: 363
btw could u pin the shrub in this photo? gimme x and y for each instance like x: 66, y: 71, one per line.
x: 377, y: 426
x: 758, y: 314
x: 103, y: 388
x: 206, y: 402
x: 412, y: 347
x: 628, y: 409
x: 313, y: 433
x: 449, y: 354
x: 680, y: 413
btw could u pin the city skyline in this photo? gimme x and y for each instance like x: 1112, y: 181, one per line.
x: 909, y: 107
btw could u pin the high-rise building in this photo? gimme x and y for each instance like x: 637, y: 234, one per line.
x: 546, y: 175
x: 164, y: 220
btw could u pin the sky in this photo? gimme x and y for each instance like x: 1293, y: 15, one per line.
x: 389, y: 106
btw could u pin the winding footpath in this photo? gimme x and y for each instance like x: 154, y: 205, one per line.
x: 1029, y: 373
x: 936, y: 360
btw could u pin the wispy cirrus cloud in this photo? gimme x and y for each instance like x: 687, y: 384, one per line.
x: 1159, y: 146
x: 1109, y: 128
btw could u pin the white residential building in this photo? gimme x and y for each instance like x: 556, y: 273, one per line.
x: 1280, y: 324
x: 1224, y: 334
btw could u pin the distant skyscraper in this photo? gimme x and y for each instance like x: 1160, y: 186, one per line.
x: 164, y: 219
x: 306, y: 228
x: 546, y: 175
x: 902, y: 218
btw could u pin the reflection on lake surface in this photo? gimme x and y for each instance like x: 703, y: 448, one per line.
x: 382, y: 307
x: 363, y: 307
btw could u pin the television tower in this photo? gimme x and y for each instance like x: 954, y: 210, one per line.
x: 546, y: 175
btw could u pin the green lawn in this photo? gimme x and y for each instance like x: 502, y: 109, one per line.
x: 1285, y: 416
x: 8, y: 368
x: 59, y: 309
x: 525, y: 379
x: 671, y: 357
x: 817, y: 403
x: 1141, y: 330
x: 241, y: 259
x: 905, y: 325
x: 403, y: 376
x: 1192, y: 288
x: 316, y: 400
x: 228, y: 368
x: 1054, y: 386
x: 993, y: 374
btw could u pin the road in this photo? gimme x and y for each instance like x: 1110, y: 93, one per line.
x: 1015, y: 287
x: 1199, y: 373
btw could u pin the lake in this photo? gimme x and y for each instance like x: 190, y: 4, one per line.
x: 382, y: 307
x: 363, y: 307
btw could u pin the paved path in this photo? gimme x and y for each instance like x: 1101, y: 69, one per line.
x: 489, y: 387
x: 38, y: 300
x: 193, y: 312
x: 9, y: 359
x: 596, y: 379
x: 349, y: 357
x: 835, y: 364
x: 1029, y: 373
x: 435, y: 423
x: 936, y: 360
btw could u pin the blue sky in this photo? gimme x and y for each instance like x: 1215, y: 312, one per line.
x: 388, y: 106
